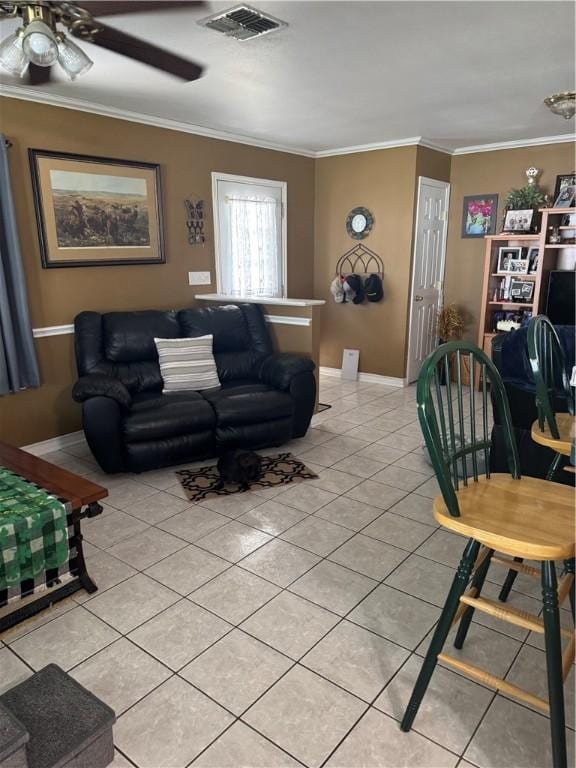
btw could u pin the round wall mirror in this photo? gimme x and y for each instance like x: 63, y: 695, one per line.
x: 359, y: 222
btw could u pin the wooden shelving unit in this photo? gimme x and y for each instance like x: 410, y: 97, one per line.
x: 547, y: 259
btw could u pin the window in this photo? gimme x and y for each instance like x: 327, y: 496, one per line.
x: 250, y: 235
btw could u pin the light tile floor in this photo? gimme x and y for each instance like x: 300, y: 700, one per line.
x: 286, y: 627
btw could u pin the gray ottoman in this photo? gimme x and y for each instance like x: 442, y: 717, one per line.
x: 68, y: 725
x: 13, y: 740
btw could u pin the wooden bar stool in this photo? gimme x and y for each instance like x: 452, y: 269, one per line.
x: 500, y: 515
x: 551, y: 429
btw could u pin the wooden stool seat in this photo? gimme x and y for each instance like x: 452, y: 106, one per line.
x: 566, y: 424
x: 528, y: 518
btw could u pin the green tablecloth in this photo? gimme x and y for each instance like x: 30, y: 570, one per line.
x: 33, y: 530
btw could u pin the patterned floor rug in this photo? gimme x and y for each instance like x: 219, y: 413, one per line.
x: 204, y: 483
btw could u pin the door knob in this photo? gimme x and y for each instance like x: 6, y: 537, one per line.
x: 418, y: 298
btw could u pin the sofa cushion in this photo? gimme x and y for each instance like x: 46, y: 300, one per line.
x: 155, y: 416
x: 248, y: 404
x: 187, y: 364
x: 129, y: 336
x: 241, y: 338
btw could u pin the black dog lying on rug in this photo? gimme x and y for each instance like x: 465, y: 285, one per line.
x: 239, y: 467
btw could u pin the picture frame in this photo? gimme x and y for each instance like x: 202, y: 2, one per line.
x: 479, y: 214
x: 521, y: 290
x: 518, y: 221
x: 566, y: 198
x: 532, y: 256
x: 96, y: 211
x: 562, y: 181
x: 512, y: 261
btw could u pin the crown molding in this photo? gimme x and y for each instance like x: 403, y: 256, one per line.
x: 66, y: 102
x: 413, y: 141
x: 562, y: 138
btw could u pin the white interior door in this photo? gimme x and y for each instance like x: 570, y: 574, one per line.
x: 427, y: 270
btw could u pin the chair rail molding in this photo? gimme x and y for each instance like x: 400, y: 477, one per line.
x: 52, y: 330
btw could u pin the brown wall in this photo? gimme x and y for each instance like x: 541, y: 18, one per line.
x: 490, y: 173
x: 433, y: 164
x: 57, y: 295
x: 382, y: 181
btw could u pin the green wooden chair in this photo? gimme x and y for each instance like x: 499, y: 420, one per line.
x: 548, y: 364
x: 499, y: 514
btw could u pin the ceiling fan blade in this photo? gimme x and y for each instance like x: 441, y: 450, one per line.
x: 140, y: 50
x: 104, y: 8
x: 38, y: 75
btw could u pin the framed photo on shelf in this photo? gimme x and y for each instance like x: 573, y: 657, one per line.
x: 96, y: 211
x: 532, y: 257
x: 562, y: 181
x: 521, y: 290
x: 566, y: 197
x: 518, y: 221
x: 511, y: 261
x: 479, y: 215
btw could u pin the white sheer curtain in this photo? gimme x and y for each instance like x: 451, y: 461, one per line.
x: 250, y: 239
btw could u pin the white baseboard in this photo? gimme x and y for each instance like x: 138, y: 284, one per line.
x: 367, y: 378
x: 54, y: 443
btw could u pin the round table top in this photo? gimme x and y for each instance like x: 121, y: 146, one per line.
x: 567, y: 429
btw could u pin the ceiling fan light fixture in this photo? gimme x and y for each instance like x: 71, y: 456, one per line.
x: 563, y: 104
x: 72, y: 58
x: 40, y: 44
x: 12, y: 56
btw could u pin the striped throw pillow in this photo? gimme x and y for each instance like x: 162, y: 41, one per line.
x: 187, y: 364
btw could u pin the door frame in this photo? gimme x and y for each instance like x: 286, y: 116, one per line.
x: 445, y: 185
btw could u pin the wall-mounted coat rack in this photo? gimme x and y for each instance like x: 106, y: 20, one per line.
x: 360, y: 260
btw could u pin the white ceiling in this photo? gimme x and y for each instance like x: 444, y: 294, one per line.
x: 350, y: 73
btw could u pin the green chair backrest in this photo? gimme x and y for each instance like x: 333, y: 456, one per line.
x: 455, y: 418
x: 548, y: 364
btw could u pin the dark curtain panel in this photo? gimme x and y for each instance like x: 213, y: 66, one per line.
x: 18, y: 364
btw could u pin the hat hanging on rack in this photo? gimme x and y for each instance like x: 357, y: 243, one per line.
x: 354, y: 265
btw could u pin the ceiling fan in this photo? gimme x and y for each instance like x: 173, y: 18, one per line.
x: 39, y: 43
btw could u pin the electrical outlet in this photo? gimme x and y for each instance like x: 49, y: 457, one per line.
x: 199, y: 278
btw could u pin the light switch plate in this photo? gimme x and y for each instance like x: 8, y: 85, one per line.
x: 199, y: 278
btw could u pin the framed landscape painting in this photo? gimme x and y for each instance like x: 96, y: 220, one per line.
x: 95, y: 211
x: 479, y: 215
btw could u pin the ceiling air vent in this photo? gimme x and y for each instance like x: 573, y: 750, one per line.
x: 242, y: 23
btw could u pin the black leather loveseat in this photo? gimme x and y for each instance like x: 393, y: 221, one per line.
x: 265, y: 399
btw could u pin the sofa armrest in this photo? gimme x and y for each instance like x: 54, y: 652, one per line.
x: 99, y: 385
x: 497, y: 343
x: 279, y: 369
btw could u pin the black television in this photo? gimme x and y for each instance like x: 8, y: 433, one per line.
x: 561, y: 303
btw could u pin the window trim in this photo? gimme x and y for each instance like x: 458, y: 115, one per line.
x: 216, y: 177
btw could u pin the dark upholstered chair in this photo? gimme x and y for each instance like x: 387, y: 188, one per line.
x: 266, y: 398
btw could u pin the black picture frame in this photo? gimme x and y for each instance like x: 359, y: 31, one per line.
x: 521, y: 290
x: 484, y: 230
x: 564, y: 180
x: 34, y: 155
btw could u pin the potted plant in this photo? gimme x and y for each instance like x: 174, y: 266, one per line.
x: 450, y: 327
x: 527, y: 199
